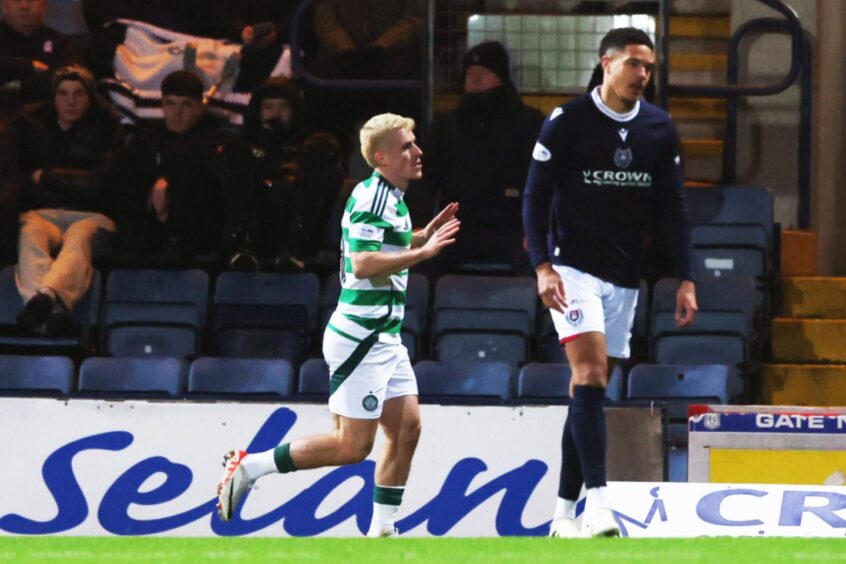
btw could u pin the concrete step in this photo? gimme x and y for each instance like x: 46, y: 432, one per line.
x: 799, y: 253
x: 702, y: 147
x: 698, y: 108
x: 803, y: 384
x: 814, y: 297
x: 811, y: 341
x: 712, y: 27
x: 698, y: 62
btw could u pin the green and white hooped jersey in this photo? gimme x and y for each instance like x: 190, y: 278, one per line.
x: 375, y: 219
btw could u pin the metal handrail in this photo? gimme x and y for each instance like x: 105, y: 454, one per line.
x: 800, y: 62
x: 306, y: 77
x: 796, y: 36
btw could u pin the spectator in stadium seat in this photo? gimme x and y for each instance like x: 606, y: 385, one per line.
x: 478, y: 155
x: 10, y: 196
x: 365, y: 39
x: 300, y: 174
x: 66, y: 148
x: 183, y: 188
x: 28, y: 51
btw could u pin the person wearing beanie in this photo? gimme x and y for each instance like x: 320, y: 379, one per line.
x: 183, y: 188
x: 478, y: 155
x: 65, y: 150
x: 299, y: 176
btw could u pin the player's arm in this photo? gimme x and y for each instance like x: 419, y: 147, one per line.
x: 537, y: 199
x: 419, y: 237
x: 674, y: 210
x: 367, y: 264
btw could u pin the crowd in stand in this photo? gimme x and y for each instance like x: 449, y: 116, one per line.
x: 79, y: 182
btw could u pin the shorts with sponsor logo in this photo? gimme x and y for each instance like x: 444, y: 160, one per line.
x: 364, y: 375
x: 596, y: 305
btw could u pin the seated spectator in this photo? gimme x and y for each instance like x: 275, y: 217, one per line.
x: 65, y: 151
x: 183, y: 188
x: 300, y: 174
x: 10, y: 196
x: 369, y: 40
x: 478, y: 155
x: 28, y: 50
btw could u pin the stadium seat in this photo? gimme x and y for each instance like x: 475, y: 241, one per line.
x: 154, y: 312
x: 416, y: 308
x: 440, y: 382
x: 482, y: 318
x: 84, y: 316
x: 264, y: 315
x: 132, y: 376
x: 679, y: 385
x: 241, y: 376
x: 314, y: 379
x: 19, y: 373
x: 731, y: 230
x: 677, y: 463
x: 550, y: 383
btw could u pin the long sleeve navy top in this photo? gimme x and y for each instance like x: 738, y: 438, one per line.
x: 596, y: 178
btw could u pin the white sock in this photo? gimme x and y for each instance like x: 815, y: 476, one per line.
x: 598, y: 497
x: 383, y: 518
x: 564, y: 508
x: 259, y: 464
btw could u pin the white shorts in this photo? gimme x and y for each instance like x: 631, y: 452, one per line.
x: 595, y: 305
x: 383, y: 373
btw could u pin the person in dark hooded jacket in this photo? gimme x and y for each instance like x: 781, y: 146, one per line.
x: 299, y: 174
x: 182, y: 189
x: 65, y: 150
x: 478, y: 155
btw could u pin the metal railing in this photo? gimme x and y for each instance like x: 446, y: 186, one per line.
x: 800, y: 63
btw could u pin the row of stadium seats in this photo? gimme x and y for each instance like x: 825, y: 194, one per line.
x: 277, y: 378
x: 151, y: 313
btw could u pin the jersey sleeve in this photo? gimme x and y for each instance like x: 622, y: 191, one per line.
x: 544, y: 171
x: 674, y: 210
x: 366, y: 229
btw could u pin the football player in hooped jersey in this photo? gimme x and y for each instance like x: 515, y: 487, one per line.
x: 371, y: 382
x: 605, y: 163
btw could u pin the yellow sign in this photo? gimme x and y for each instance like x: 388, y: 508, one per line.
x: 750, y: 466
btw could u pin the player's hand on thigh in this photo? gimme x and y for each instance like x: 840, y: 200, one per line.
x: 551, y: 288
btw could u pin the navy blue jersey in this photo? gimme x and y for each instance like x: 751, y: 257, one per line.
x: 597, y: 177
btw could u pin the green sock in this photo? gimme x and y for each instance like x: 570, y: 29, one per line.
x: 282, y: 458
x: 384, y: 495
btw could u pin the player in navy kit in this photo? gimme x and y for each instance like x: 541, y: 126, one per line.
x: 604, y: 165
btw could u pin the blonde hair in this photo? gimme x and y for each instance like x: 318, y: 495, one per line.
x: 374, y: 131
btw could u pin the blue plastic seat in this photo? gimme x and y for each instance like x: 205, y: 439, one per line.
x: 133, y: 376
x: 314, y: 379
x: 550, y: 383
x: 36, y: 374
x: 251, y: 376
x: 84, y: 316
x: 458, y: 382
x: 732, y: 206
x: 154, y: 312
x: 680, y: 385
x: 484, y: 318
x: 264, y: 315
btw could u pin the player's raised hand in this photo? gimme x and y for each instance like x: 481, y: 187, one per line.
x: 551, y: 288
x: 686, y: 307
x: 445, y: 215
x: 442, y: 237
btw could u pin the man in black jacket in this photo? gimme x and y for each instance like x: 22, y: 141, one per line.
x: 183, y: 188
x: 478, y: 154
x: 65, y: 151
x: 28, y: 50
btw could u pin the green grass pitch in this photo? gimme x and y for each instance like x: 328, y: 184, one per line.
x: 440, y: 550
